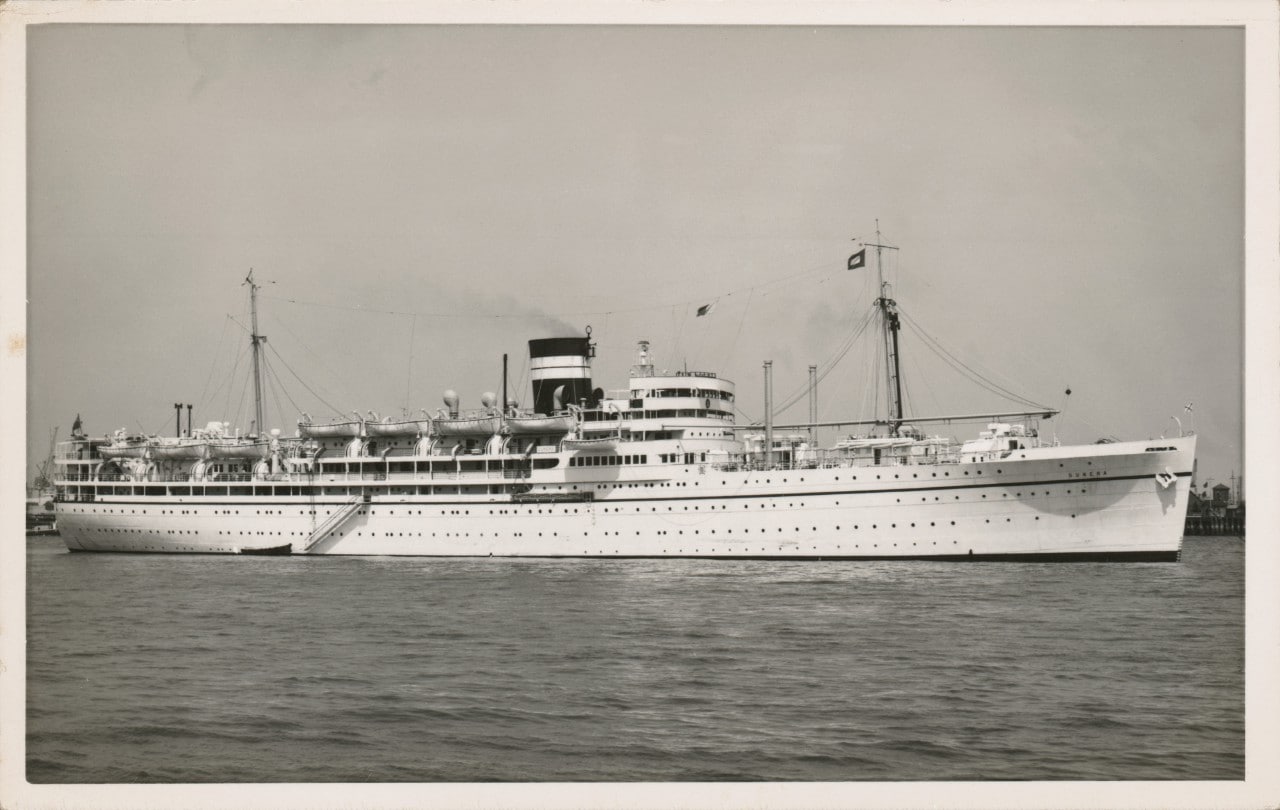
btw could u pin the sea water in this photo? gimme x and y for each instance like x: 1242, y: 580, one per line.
x: 156, y: 668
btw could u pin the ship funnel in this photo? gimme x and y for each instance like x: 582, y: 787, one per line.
x: 451, y: 402
x: 560, y: 363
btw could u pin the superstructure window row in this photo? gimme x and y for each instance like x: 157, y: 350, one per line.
x: 709, y: 393
x: 607, y: 461
x: 612, y: 416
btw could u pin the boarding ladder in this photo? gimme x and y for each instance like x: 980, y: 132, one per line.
x: 335, y: 520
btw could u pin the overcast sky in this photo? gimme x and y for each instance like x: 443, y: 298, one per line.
x: 1068, y: 204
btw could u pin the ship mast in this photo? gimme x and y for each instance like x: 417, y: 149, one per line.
x: 255, y: 340
x: 889, y: 327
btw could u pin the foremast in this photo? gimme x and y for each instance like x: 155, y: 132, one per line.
x: 255, y: 340
x: 889, y: 327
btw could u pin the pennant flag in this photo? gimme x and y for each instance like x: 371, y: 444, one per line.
x: 858, y: 259
x: 705, y: 309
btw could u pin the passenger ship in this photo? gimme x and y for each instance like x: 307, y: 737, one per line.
x: 657, y: 470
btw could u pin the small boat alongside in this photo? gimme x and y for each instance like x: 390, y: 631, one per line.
x: 268, y: 551
x: 42, y: 515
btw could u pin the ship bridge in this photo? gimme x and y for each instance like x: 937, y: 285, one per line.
x: 694, y: 408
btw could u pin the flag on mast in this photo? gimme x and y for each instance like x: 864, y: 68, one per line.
x: 858, y: 259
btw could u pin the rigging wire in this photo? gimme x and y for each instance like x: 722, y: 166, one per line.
x: 303, y: 382
x: 408, y: 384
x: 240, y: 405
x: 209, y: 401
x: 287, y: 395
x: 675, y: 347
x: 877, y: 377
x: 471, y: 315
x: 270, y: 379
x: 309, y: 351
x: 956, y: 363
x: 226, y: 409
x: 918, y: 374
x: 734, y: 343
x: 279, y: 387
x: 827, y: 366
x: 214, y: 365
x: 824, y: 369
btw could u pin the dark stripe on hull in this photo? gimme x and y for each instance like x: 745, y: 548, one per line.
x: 1070, y: 556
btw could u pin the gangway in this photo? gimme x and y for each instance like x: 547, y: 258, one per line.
x: 335, y: 520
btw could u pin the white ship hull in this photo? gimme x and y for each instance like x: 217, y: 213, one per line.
x: 1123, y: 501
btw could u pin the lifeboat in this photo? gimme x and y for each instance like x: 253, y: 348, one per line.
x: 594, y: 443
x: 406, y: 427
x: 246, y: 449
x: 349, y: 428
x: 539, y: 424
x: 467, y: 426
x: 114, y: 451
x: 180, y: 450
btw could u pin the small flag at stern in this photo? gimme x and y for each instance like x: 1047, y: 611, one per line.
x: 705, y: 309
x: 858, y: 259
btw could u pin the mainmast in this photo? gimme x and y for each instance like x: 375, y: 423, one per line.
x: 889, y: 327
x: 255, y: 340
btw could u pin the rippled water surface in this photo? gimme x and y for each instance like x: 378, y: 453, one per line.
x: 150, y: 668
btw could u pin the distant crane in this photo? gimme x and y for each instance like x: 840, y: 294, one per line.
x: 44, y: 475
